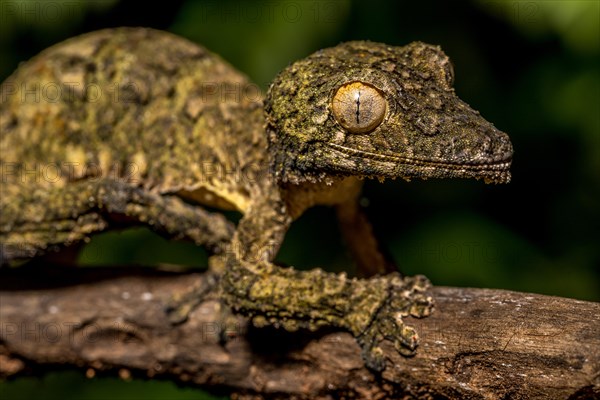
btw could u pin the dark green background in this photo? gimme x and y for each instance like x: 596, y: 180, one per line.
x: 530, y: 67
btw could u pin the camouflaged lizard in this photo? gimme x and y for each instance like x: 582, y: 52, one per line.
x: 140, y: 126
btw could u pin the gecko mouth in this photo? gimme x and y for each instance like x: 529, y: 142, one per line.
x: 496, y: 170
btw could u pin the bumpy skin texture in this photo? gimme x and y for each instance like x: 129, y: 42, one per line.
x: 131, y: 107
x: 428, y: 131
x: 148, y: 127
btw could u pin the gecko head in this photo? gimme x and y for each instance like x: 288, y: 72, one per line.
x: 371, y: 110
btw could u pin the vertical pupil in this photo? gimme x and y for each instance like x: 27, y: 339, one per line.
x: 358, y: 107
x: 357, y: 97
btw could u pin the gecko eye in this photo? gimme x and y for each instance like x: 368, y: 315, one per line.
x: 358, y: 107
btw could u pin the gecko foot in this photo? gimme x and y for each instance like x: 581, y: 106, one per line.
x: 406, y: 297
x: 181, y: 304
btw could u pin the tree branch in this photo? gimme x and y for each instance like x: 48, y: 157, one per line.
x: 478, y: 344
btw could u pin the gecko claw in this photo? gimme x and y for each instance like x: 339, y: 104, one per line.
x: 406, y: 297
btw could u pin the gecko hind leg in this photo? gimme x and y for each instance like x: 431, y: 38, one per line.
x: 52, y: 217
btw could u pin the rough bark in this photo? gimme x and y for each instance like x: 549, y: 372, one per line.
x: 478, y: 344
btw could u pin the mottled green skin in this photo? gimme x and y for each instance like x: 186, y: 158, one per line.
x: 151, y: 117
x: 186, y: 130
x: 428, y: 131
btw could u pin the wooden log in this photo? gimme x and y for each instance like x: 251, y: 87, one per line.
x: 478, y: 344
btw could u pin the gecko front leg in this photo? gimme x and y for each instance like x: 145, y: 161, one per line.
x: 371, y: 309
x: 361, y: 240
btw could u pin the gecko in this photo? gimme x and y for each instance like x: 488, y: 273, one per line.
x: 133, y: 126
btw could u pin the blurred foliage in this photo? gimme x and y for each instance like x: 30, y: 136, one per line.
x: 573, y: 22
x: 531, y: 67
x: 124, y: 248
x: 73, y: 385
x: 262, y: 36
